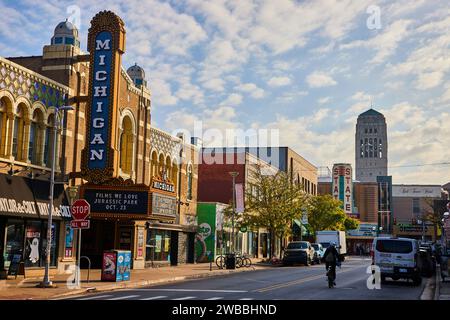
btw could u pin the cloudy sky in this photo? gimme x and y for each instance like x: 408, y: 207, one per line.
x: 305, y: 68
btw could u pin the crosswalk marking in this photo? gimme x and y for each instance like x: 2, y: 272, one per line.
x: 95, y: 297
x: 246, y: 299
x: 214, y: 298
x: 124, y: 297
x: 184, y: 298
x: 154, y: 298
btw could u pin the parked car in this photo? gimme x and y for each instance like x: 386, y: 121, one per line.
x: 319, y: 251
x: 299, y: 252
x: 397, y: 258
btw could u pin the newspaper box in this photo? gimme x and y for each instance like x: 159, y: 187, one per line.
x: 116, y: 265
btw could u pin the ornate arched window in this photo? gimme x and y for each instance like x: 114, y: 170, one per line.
x: 168, y: 168
x: 160, y: 165
x: 126, y: 146
x: 20, y: 123
x: 4, y: 104
x: 35, y: 142
x: 48, y: 140
x: 154, y: 164
x: 189, y: 182
x: 175, y: 174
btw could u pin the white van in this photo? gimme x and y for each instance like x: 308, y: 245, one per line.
x: 397, y: 258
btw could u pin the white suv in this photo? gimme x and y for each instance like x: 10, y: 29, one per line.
x: 397, y: 258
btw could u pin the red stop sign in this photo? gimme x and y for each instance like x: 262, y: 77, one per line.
x: 80, y: 209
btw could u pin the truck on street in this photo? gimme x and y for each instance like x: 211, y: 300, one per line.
x: 326, y: 237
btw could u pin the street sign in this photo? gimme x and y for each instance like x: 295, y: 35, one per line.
x: 80, y: 224
x: 80, y: 209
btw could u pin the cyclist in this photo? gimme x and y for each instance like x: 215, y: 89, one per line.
x: 331, y: 257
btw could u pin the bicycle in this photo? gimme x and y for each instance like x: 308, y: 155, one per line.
x: 220, y: 261
x: 331, y: 275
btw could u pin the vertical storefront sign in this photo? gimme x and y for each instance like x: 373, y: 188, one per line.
x: 100, y: 101
x: 343, y: 186
x: 106, y: 44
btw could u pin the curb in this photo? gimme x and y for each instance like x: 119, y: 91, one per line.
x: 144, y: 283
x: 438, y: 283
x: 431, y: 288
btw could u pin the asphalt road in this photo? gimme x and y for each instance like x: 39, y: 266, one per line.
x: 283, y: 283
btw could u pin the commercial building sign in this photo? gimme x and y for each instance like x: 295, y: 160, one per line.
x: 100, y: 101
x: 416, y: 230
x: 343, y: 186
x: 106, y: 44
x: 163, y: 205
x: 164, y: 186
x: 364, y: 230
x: 416, y: 191
x: 121, y: 201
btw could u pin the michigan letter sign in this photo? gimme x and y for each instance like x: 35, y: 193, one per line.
x: 100, y: 103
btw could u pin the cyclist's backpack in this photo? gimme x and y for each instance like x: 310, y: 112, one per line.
x: 329, y: 257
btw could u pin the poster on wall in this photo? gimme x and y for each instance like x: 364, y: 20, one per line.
x: 158, y: 243
x: 68, y: 252
x: 109, y: 266
x: 140, y: 244
x: 32, y: 243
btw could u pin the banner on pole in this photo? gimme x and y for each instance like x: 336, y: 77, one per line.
x: 239, y: 198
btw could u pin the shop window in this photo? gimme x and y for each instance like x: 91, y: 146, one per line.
x: 189, y: 181
x: 36, y: 137
x: 126, y: 146
x: 158, y: 245
x: 14, y: 240
x: 36, y: 244
x: 416, y: 206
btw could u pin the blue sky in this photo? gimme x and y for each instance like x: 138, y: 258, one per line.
x: 305, y: 68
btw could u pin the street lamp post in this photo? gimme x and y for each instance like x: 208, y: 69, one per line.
x: 46, y: 281
x: 234, y: 175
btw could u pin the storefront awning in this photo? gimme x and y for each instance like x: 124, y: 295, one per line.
x: 29, y: 198
x: 301, y: 226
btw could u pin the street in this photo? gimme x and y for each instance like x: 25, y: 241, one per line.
x: 284, y: 283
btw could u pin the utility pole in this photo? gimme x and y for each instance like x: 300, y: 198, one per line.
x: 46, y: 283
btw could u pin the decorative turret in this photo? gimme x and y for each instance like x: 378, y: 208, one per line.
x: 137, y: 74
x: 66, y: 33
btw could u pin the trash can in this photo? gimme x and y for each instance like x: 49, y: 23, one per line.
x: 230, y: 261
x: 116, y: 265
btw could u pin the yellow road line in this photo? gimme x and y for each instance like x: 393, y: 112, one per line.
x: 287, y: 284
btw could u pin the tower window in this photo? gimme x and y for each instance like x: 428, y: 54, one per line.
x: 375, y: 130
x: 69, y: 40
x: 58, y: 40
x: 370, y: 130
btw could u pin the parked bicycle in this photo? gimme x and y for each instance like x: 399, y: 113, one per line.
x: 241, y: 261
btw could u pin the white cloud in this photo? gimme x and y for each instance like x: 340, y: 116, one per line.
x: 233, y: 99
x: 162, y: 93
x: 429, y: 80
x: 252, y: 89
x: 323, y: 100
x: 319, y: 79
x: 385, y: 43
x: 279, y: 81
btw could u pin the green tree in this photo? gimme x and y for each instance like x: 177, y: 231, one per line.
x: 272, y: 201
x: 326, y: 213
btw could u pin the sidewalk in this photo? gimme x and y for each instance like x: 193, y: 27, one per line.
x: 443, y: 288
x: 22, y: 289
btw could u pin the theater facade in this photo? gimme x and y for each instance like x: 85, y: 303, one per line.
x: 141, y: 182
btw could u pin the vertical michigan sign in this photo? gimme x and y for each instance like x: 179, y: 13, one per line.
x: 106, y: 44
